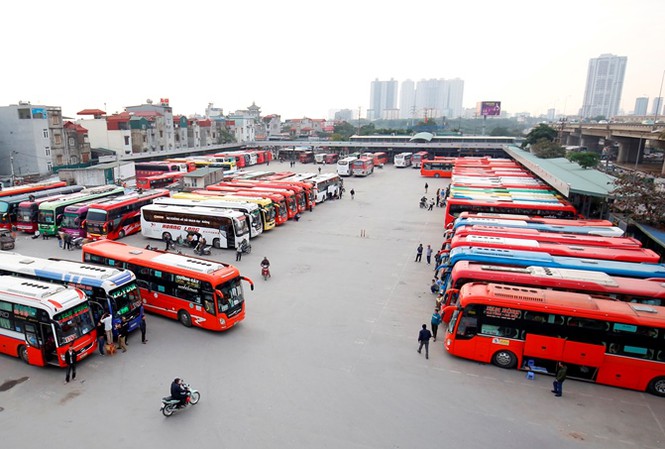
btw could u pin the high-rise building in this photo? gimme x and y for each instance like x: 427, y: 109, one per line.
x: 407, y: 100
x: 657, y: 106
x: 383, y: 96
x: 604, y: 84
x: 454, y: 94
x: 641, y: 104
x: 439, y: 98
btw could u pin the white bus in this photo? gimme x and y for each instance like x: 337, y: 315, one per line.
x: 223, y: 228
x: 251, y: 210
x: 319, y: 158
x: 328, y: 185
x: 344, y: 166
x: 403, y: 159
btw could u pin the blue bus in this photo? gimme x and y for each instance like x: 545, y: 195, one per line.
x: 604, y: 231
x: 515, y: 258
x: 109, y: 290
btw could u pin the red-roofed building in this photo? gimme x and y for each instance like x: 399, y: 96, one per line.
x: 77, y: 145
x: 96, y: 113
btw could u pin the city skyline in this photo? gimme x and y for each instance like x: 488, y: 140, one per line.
x: 298, y: 66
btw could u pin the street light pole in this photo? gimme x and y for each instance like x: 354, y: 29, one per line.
x: 11, y: 161
x: 660, y: 100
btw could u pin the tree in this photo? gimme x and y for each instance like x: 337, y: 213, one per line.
x: 585, y: 159
x: 546, y: 149
x: 640, y: 198
x: 500, y: 131
x: 541, y: 131
x: 345, y: 130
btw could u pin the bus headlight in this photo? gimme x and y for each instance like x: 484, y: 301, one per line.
x: 222, y: 321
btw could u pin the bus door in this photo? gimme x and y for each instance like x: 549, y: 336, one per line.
x: 230, y: 234
x: 34, y: 343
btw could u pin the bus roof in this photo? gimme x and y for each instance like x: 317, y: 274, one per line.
x: 53, y: 297
x: 195, y: 210
x: 205, y: 201
x: 83, y: 195
x: 129, y: 198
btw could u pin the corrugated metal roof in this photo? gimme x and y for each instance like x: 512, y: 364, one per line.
x: 565, y: 176
x: 422, y: 136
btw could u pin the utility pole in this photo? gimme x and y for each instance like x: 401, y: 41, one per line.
x: 11, y: 161
x: 359, y: 112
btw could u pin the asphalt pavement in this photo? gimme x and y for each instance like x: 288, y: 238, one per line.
x: 326, y: 357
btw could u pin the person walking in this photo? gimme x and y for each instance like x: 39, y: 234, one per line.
x: 168, y: 241
x: 423, y: 337
x: 426, y: 186
x: 561, y: 372
x: 419, y: 253
x: 143, y: 328
x: 239, y: 252
x: 353, y: 193
x: 428, y: 254
x: 319, y: 170
x: 70, y: 360
x: 431, y: 205
x: 436, y: 320
x: 122, y: 335
x: 101, y: 337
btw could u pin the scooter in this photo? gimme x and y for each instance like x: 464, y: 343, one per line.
x: 205, y: 251
x: 265, y: 272
x: 246, y: 247
x: 170, y: 405
x: 423, y: 203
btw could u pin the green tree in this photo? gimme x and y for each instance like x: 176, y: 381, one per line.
x: 500, y: 131
x: 345, y: 130
x: 368, y: 130
x: 546, y: 149
x: 542, y: 131
x: 640, y: 198
x: 585, y: 159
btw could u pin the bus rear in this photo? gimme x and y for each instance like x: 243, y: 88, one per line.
x: 345, y: 166
x: 403, y: 160
x: 418, y: 158
x: 362, y: 167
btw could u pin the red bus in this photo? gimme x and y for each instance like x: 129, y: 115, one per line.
x: 190, y: 164
x: 287, y: 196
x: 300, y: 194
x: 28, y: 188
x: 534, y: 219
x: 609, y: 342
x: 561, y: 209
x: 418, y: 158
x: 278, y: 201
x: 144, y: 169
x: 306, y: 157
x: 279, y: 175
x: 330, y: 158
x: 624, y: 254
x: 196, y: 292
x: 379, y: 158
x: 241, y: 160
x: 121, y: 216
x: 594, y: 283
x: 308, y: 188
x: 437, y: 168
x: 553, y: 237
x: 164, y: 180
x: 40, y: 320
x: 363, y: 166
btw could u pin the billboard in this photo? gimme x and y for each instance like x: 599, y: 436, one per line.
x: 490, y: 108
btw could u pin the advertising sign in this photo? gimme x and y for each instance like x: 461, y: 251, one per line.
x: 490, y: 108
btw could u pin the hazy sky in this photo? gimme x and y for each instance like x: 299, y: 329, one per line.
x: 304, y: 58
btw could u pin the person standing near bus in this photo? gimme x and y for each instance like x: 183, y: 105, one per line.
x: 122, y: 335
x: 561, y: 372
x: 70, y: 360
x: 428, y: 254
x: 239, y: 251
x: 107, y: 320
x: 423, y: 337
x: 419, y: 253
x: 143, y: 328
x: 101, y: 337
x: 436, y: 320
x: 426, y: 186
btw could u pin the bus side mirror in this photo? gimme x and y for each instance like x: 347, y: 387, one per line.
x: 58, y: 219
x: 83, y: 223
x: 447, y: 313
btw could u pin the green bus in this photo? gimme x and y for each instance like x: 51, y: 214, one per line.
x: 51, y: 212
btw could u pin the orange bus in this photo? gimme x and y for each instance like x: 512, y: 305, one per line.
x: 301, y: 197
x: 437, y: 168
x: 28, y: 188
x: 164, y: 180
x: 288, y: 200
x: 609, y: 342
x: 121, y: 216
x: 379, y: 158
x: 278, y: 201
x: 194, y: 291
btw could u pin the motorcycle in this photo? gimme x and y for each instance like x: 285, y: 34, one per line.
x: 170, y: 405
x: 265, y: 272
x: 423, y: 203
x: 205, y: 251
x: 246, y: 247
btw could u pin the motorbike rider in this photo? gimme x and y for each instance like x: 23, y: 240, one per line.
x: 423, y: 201
x: 265, y: 264
x: 200, y: 246
x: 178, y: 391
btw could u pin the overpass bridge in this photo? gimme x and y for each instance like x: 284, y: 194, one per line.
x: 630, y: 138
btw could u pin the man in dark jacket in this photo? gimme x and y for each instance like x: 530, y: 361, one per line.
x: 561, y: 372
x: 70, y: 360
x: 178, y: 392
x: 423, y: 337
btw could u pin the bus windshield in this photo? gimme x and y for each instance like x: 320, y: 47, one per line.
x: 25, y: 215
x: 241, y: 226
x: 125, y: 299
x: 70, y: 221
x: 231, y: 295
x: 95, y: 220
x: 46, y: 216
x: 73, y: 323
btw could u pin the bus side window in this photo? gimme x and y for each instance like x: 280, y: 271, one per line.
x: 468, y: 326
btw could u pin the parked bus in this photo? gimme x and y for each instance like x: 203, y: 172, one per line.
x: 328, y: 186
x: 224, y: 228
x: 552, y: 237
x: 363, y: 166
x: 299, y: 193
x: 249, y: 210
x: 530, y: 218
x: 439, y: 168
x: 39, y: 321
x: 287, y: 200
x: 9, y: 205
x: 51, y: 212
x: 308, y: 187
x: 418, y: 158
x: 191, y: 165
x: 120, y: 216
x: 278, y: 201
x: 379, y: 158
x: 330, y: 158
x: 194, y: 291
x: 626, y: 254
x: 517, y: 225
x: 265, y: 205
x: 608, y: 342
x: 403, y: 160
x: 109, y: 290
x: 144, y: 169
x: 241, y: 160
x: 28, y: 211
x: 344, y: 166
x: 73, y: 218
x: 559, y: 209
x: 31, y: 188
x: 594, y: 283
x: 165, y: 180
x: 319, y: 158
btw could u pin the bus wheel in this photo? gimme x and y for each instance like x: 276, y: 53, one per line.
x: 23, y: 353
x: 121, y: 234
x: 166, y: 236
x: 657, y: 386
x: 504, y: 359
x: 185, y: 318
x: 215, y: 243
x: 436, y: 175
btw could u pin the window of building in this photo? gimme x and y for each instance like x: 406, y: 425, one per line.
x: 49, y: 166
x: 45, y: 133
x: 47, y: 151
x: 72, y: 142
x: 126, y: 140
x: 24, y: 114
